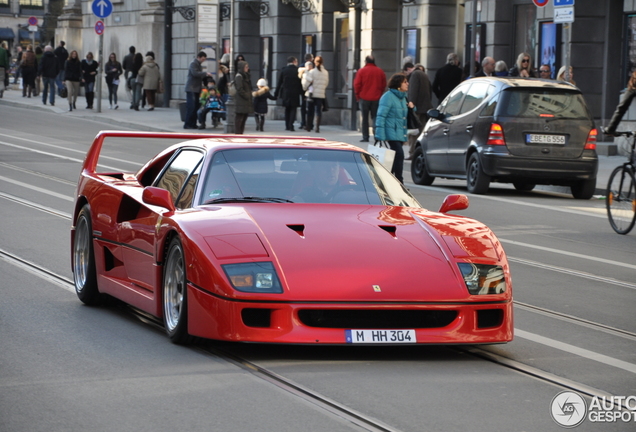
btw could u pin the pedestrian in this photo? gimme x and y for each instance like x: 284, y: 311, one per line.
x: 61, y: 55
x: 408, y: 67
x: 319, y: 79
x: 194, y: 83
x: 501, y: 69
x: 238, y: 58
x: 112, y: 71
x: 29, y: 69
x: 368, y: 87
x: 39, y: 52
x: 289, y: 89
x: 309, y: 58
x: 48, y: 71
x: 391, y: 120
x: 221, y: 86
x: 260, y: 97
x: 447, y: 77
x: 545, y: 71
x: 4, y: 67
x: 210, y: 101
x: 18, y: 69
x: 151, y: 74
x: 127, y: 65
x: 136, y: 81
x: 307, y: 122
x: 561, y: 75
x: 487, y: 67
x: 623, y: 105
x: 244, y: 105
x: 225, y: 60
x: 420, y: 95
x: 89, y: 72
x: 523, y: 67
x: 72, y: 78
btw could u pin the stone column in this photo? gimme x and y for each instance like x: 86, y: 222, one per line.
x: 69, y: 25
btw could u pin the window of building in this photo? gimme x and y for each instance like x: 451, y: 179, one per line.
x: 31, y: 4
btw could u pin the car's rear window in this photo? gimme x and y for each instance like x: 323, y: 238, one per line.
x: 536, y: 102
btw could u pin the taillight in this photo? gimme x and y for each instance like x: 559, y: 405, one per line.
x: 496, y: 136
x: 590, y: 144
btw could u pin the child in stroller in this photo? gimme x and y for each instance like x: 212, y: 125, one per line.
x: 211, y: 102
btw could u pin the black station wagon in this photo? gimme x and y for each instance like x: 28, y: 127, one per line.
x: 522, y: 131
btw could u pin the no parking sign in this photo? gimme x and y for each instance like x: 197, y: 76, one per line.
x: 99, y: 27
x: 540, y: 3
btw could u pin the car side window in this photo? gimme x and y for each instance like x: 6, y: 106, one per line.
x: 489, y: 109
x: 178, y: 172
x: 187, y: 194
x: 474, y: 96
x: 454, y: 100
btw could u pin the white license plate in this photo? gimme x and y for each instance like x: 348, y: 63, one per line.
x: 545, y: 139
x: 380, y: 336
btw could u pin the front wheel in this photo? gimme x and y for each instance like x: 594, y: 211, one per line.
x: 418, y: 169
x: 84, y: 273
x: 477, y: 181
x: 175, y: 305
x: 620, y: 200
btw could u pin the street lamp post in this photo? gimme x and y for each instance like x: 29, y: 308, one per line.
x: 229, y: 106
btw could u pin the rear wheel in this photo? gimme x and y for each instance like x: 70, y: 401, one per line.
x: 477, y: 181
x: 523, y: 186
x: 620, y: 200
x: 84, y: 273
x: 584, y: 189
x: 418, y: 169
x: 175, y: 305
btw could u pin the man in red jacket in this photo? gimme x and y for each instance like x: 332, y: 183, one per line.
x: 369, y: 86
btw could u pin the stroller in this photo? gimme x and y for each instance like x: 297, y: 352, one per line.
x: 214, y: 105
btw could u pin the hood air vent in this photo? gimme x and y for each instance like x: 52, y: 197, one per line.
x: 390, y: 229
x: 299, y: 229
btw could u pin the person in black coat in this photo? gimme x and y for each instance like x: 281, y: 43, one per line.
x: 61, y: 55
x: 447, y: 77
x: 89, y: 72
x: 289, y: 89
x: 72, y: 77
x: 48, y: 70
x: 260, y: 97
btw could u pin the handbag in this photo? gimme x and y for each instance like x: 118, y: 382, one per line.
x: 412, y: 122
x: 64, y: 92
x: 160, y: 88
x: 382, y: 152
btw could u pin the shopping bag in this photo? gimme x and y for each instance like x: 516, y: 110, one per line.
x: 382, y: 152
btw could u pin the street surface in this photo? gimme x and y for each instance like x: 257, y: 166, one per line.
x: 68, y: 367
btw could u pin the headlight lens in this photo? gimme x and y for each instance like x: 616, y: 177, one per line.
x: 258, y: 277
x: 483, y: 279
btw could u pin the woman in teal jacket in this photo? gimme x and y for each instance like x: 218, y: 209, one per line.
x: 390, y: 122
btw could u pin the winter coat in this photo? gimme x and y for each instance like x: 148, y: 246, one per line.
x: 29, y: 64
x: 242, y: 82
x: 72, y: 70
x: 370, y: 83
x: 260, y: 100
x: 319, y: 79
x: 150, y: 72
x: 87, y: 68
x: 390, y: 122
x: 48, y: 65
x: 514, y: 72
x: 289, y: 87
x: 420, y: 91
x: 446, y: 79
x: 112, y: 71
x: 4, y: 58
x: 61, y: 55
x: 194, y: 82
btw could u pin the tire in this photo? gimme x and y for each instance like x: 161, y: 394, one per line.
x: 620, y: 200
x: 418, y: 169
x: 477, y: 181
x: 174, y: 293
x: 84, y: 273
x: 523, y: 187
x: 584, y: 190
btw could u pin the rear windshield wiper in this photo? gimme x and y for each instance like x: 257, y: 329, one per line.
x: 251, y: 199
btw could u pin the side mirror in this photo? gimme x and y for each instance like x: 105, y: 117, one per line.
x: 158, y: 197
x: 437, y: 115
x: 454, y: 203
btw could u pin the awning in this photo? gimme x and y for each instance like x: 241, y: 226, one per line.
x: 26, y: 35
x: 6, y: 33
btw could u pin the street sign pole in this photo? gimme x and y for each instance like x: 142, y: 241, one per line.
x: 101, y: 9
x: 100, y: 68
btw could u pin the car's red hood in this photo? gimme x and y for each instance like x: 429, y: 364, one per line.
x: 351, y: 252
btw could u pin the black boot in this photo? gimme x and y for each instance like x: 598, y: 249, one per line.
x: 262, y: 123
x: 89, y: 100
x: 318, y: 124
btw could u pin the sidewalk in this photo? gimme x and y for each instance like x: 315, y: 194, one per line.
x: 169, y: 120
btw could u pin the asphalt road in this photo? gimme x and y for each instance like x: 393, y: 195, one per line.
x: 68, y: 367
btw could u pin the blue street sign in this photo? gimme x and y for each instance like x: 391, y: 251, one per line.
x: 558, y: 3
x: 102, y: 8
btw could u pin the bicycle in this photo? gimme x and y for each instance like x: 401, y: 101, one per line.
x: 620, y: 195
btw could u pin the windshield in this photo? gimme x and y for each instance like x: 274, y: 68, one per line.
x: 301, y: 176
x: 538, y: 102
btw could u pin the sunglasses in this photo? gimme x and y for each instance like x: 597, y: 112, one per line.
x: 544, y: 71
x: 525, y: 61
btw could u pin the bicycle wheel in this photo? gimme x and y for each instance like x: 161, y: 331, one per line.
x: 620, y: 200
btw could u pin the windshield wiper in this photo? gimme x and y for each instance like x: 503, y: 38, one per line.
x: 250, y: 199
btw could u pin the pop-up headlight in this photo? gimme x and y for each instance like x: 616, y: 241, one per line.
x: 483, y: 278
x: 253, y: 277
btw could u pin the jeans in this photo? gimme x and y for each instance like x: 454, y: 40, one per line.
x: 137, y: 87
x: 398, y: 162
x: 192, y: 100
x: 112, y: 93
x: 59, y: 81
x: 48, y: 82
x: 368, y: 107
x: 290, y: 117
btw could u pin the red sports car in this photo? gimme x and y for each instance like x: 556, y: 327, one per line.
x: 285, y: 240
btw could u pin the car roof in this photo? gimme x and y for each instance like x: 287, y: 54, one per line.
x: 213, y: 144
x: 516, y: 82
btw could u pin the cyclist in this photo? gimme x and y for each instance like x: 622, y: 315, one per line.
x: 622, y: 106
